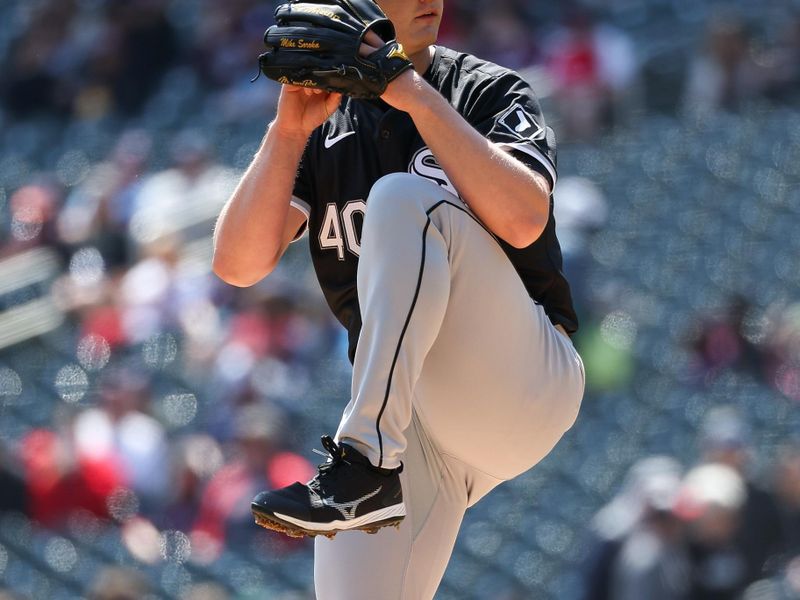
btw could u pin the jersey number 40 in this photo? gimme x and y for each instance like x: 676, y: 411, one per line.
x: 339, y: 230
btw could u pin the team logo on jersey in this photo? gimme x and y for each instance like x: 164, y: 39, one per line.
x: 425, y: 165
x: 521, y: 124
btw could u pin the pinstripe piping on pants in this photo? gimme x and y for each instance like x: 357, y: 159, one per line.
x: 428, y: 213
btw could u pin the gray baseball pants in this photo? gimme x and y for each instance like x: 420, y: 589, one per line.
x: 458, y: 374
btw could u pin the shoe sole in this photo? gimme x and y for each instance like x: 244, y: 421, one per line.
x: 273, y: 523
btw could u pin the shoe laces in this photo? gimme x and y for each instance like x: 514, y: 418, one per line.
x: 334, y: 453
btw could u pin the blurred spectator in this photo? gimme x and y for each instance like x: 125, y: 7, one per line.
x: 580, y: 210
x: 712, y: 499
x: 257, y: 462
x: 724, y: 75
x: 88, y: 60
x: 228, y: 39
x: 723, y: 343
x: 31, y: 84
x: 638, y: 516
x: 13, y: 495
x: 195, y: 460
x: 187, y: 195
x: 60, y: 482
x: 145, y: 44
x: 786, y: 483
x: 458, y: 20
x: 97, y: 212
x: 267, y: 349
x: 502, y: 36
x: 593, y: 68
x: 725, y: 440
x: 133, y: 45
x: 34, y: 210
x: 148, y: 298
x: 119, y: 430
x: 97, y: 310
x: 117, y: 583
x: 782, y: 349
x: 652, y: 561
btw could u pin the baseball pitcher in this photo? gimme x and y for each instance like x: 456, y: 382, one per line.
x: 424, y: 179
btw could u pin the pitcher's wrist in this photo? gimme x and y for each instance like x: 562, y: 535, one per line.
x: 289, y: 134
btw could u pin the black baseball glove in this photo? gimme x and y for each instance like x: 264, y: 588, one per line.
x: 315, y: 44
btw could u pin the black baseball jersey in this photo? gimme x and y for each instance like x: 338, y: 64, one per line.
x: 366, y: 140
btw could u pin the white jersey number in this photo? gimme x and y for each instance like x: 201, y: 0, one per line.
x: 338, y: 231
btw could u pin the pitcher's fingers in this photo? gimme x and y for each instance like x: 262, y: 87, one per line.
x: 332, y: 102
x: 373, y: 39
x: 365, y: 50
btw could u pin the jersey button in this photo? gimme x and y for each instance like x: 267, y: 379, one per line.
x: 385, y: 134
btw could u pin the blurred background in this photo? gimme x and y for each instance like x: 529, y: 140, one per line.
x: 143, y: 402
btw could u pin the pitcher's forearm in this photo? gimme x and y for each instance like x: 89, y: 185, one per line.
x: 512, y: 200
x: 249, y: 238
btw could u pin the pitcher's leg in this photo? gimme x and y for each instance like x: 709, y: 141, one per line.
x: 494, y: 431
x: 403, y: 288
x: 404, y: 284
x: 453, y: 319
x: 501, y: 384
x: 399, y: 565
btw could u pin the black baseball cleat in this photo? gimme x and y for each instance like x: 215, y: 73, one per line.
x: 348, y: 493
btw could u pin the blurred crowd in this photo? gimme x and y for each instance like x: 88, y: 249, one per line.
x: 89, y: 60
x: 764, y: 343
x: 177, y: 389
x: 176, y: 396
x: 726, y: 528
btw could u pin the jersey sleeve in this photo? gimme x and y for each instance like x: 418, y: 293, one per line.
x: 303, y: 193
x: 508, y: 113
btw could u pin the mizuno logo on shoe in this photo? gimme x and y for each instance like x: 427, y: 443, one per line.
x: 330, y: 142
x: 348, y: 509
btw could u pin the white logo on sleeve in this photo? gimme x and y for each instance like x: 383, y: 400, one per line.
x: 521, y: 123
x: 330, y: 142
x: 425, y: 165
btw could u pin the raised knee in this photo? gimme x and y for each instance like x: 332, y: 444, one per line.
x: 402, y: 192
x: 396, y: 186
x: 392, y: 200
